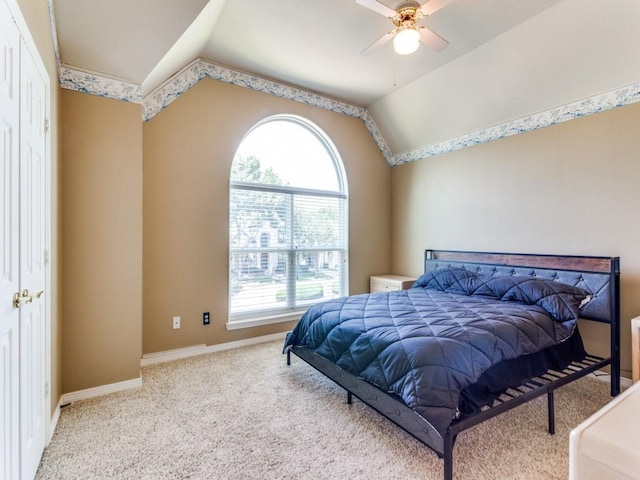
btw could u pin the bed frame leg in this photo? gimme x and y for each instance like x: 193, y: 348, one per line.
x: 448, y: 456
x: 551, y: 412
x: 615, y: 328
x: 615, y: 361
x: 288, y: 357
x: 615, y: 382
x: 349, y: 398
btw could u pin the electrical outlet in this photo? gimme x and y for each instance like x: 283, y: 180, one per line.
x: 205, y: 318
x: 176, y: 323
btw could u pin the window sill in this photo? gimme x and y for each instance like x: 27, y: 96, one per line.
x: 267, y: 320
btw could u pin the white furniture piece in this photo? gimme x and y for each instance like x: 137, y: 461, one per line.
x: 605, y: 446
x: 635, y: 349
x: 387, y: 283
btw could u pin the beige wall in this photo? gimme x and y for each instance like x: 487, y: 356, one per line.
x: 569, y: 189
x: 188, y: 150
x: 102, y: 248
x: 36, y: 15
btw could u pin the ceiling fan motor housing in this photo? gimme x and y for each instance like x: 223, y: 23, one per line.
x: 408, y: 14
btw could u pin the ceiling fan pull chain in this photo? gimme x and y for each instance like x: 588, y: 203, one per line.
x: 395, y: 70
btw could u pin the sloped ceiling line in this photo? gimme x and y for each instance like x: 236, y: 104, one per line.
x: 170, y: 90
x: 588, y: 106
x: 199, y: 69
x: 377, y: 136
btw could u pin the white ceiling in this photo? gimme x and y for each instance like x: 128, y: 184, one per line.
x: 316, y: 45
x: 121, y: 38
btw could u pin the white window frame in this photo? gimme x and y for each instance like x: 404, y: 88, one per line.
x: 269, y: 316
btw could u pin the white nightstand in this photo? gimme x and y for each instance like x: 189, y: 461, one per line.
x: 605, y: 446
x: 387, y: 283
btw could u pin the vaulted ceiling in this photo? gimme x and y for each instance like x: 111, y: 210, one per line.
x: 506, y: 59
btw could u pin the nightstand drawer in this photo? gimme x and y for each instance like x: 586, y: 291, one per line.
x: 387, y: 283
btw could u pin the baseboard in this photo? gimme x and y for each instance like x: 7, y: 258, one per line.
x: 99, y: 391
x: 179, y: 353
x: 606, y: 377
x: 169, y: 355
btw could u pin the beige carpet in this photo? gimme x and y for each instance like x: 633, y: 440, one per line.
x: 244, y: 414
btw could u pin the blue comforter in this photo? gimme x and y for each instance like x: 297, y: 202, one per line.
x: 426, y: 344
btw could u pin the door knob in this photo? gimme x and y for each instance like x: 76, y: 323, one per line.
x: 26, y: 297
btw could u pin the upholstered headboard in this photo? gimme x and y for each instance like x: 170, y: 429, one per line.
x: 597, y: 275
x: 600, y: 276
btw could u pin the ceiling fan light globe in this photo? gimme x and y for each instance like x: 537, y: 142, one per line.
x: 406, y: 41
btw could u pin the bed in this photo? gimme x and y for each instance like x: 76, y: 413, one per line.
x: 478, y: 334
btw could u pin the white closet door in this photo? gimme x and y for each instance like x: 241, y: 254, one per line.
x: 22, y: 245
x: 9, y: 245
x: 32, y: 266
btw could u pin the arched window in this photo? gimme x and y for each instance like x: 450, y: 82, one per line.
x: 287, y: 222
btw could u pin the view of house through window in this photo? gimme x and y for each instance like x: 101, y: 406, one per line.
x: 288, y: 221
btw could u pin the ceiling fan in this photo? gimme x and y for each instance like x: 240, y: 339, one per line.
x: 408, y: 34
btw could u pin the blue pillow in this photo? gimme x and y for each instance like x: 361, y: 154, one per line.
x: 445, y: 279
x: 563, y: 302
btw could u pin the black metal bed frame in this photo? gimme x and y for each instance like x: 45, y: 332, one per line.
x: 598, y: 275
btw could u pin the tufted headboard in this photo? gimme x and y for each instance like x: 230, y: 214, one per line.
x: 600, y: 276
x: 597, y: 275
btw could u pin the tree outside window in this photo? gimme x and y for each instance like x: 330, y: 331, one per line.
x: 288, y: 218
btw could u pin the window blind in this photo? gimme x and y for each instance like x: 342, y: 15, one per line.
x: 287, y: 248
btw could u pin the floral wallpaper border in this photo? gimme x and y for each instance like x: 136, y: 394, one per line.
x: 199, y: 69
x: 588, y: 106
x: 191, y: 74
x: 96, y: 84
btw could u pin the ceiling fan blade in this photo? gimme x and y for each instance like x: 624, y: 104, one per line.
x: 378, y: 43
x: 377, y: 7
x: 435, y: 41
x: 431, y: 6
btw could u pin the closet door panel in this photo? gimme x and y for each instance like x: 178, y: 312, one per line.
x: 9, y: 244
x: 9, y: 239
x: 32, y: 267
